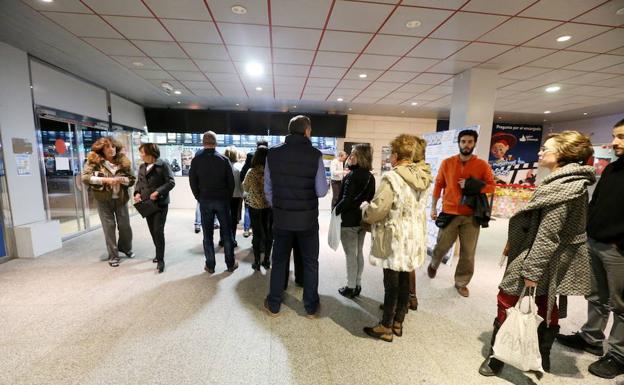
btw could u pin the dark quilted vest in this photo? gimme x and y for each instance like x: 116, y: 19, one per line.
x: 293, y: 166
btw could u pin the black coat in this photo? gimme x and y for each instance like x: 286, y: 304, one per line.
x: 211, y: 176
x: 159, y: 178
x: 357, y: 186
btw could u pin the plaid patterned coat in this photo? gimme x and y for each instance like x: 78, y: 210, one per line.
x: 547, y: 238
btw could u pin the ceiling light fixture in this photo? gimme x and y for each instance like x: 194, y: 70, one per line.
x: 563, y: 38
x: 552, y: 89
x: 254, y: 69
x: 584, y: 113
x: 402, y: 112
x: 294, y: 106
x: 47, y: 1
x: 547, y: 112
x: 137, y: 64
x: 179, y: 102
x: 340, y: 99
x: 362, y: 76
x: 414, y: 103
x: 237, y: 104
x: 258, y: 88
x: 239, y: 9
x: 177, y: 92
x: 620, y: 12
x: 350, y: 108
x: 413, y: 24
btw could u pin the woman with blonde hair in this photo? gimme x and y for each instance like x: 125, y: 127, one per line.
x: 546, y: 245
x: 397, y: 216
x: 108, y: 174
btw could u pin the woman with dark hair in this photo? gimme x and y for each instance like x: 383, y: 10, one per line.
x: 547, y: 243
x: 108, y: 174
x: 259, y: 209
x: 358, y: 186
x: 154, y: 181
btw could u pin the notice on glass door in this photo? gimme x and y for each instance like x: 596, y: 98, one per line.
x: 22, y: 162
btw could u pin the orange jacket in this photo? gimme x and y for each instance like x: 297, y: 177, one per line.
x: 451, y: 171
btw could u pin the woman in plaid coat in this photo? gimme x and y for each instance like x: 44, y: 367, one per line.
x: 546, y: 245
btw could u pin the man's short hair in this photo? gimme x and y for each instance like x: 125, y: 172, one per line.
x: 619, y: 124
x: 262, y: 143
x: 472, y: 133
x: 209, y: 139
x: 299, y: 124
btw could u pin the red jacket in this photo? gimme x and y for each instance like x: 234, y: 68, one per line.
x: 451, y: 171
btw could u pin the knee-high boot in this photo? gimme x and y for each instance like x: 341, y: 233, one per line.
x: 546, y: 337
x: 491, y: 366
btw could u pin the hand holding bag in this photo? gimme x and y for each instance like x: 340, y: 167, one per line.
x: 147, y: 207
x: 517, y: 342
x: 333, y: 235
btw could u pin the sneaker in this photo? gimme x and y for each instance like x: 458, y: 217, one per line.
x: 197, y: 229
x: 130, y: 254
x: 575, y: 341
x: 233, y: 267
x: 268, y: 310
x: 209, y: 270
x: 607, y: 367
x: 246, y: 233
x: 266, y: 264
x: 347, y: 292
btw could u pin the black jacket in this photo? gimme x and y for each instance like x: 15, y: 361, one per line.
x: 357, y: 186
x: 479, y: 202
x: 246, y: 166
x: 159, y: 178
x: 606, y: 211
x: 293, y: 166
x: 211, y: 176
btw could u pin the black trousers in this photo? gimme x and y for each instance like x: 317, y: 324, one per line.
x: 235, y: 210
x: 156, y: 225
x: 396, y: 296
x: 298, y: 262
x: 261, y: 226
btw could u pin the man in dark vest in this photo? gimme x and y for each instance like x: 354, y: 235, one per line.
x: 294, y: 179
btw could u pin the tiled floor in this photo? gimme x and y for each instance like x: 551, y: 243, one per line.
x: 68, y: 318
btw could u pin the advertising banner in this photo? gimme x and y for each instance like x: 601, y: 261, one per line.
x: 513, y: 152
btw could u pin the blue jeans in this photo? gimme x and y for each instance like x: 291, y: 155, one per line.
x: 246, y: 219
x: 198, y: 221
x: 308, y: 242
x: 221, y: 209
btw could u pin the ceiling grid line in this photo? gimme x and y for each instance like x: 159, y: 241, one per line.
x: 271, y: 45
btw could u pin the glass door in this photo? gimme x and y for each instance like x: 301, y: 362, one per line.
x: 86, y: 136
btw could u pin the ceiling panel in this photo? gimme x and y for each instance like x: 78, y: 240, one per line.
x: 605, y: 42
x: 447, y: 4
x: 561, y: 59
x: 292, y: 56
x: 188, y: 75
x: 160, y: 49
x: 205, y: 51
x: 241, y: 34
x: 589, y: 78
x: 557, y: 76
x: 605, y: 14
x: 397, y: 76
x: 327, y: 72
x: 452, y: 66
x: 224, y: 77
x: 257, y: 11
x: 518, y: 30
x: 597, y: 91
x: 597, y: 63
x: 522, y: 73
x: 379, y: 62
x: 560, y: 9
x: 505, y: 7
x: 430, y: 19
x: 206, y: 93
x: 480, y: 52
x: 322, y: 82
x: 198, y: 85
x: 249, y: 54
x: 431, y: 78
x: 59, y: 6
x: 299, y: 38
x: 518, y: 56
x: 354, y: 84
x: 617, y: 69
x: 578, y: 32
x: 290, y: 70
x: 118, y: 7
x: 345, y: 41
x: 467, y: 26
x: 437, y: 48
x: 84, y: 25
x: 128, y: 61
x: 176, y: 64
x: 364, y: 17
x: 383, y: 86
x: 193, y: 31
x: 300, y: 13
x: 413, y: 88
x: 210, y: 66
x: 292, y: 81
x: 179, y: 9
x: 375, y: 94
x: 139, y: 28
x: 114, y: 46
x: 354, y: 73
x: 335, y: 59
x: 392, y: 45
x: 414, y: 64
x: 153, y: 74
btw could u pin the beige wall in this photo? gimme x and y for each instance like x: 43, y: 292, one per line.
x: 380, y: 130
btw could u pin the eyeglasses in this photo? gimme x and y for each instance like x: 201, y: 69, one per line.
x: 545, y: 149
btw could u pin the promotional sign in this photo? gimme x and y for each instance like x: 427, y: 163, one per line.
x: 603, y: 155
x: 513, y: 152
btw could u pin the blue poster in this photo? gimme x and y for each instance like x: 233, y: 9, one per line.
x: 513, y: 152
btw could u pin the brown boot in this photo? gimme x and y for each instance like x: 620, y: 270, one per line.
x: 413, y: 302
x: 397, y: 328
x: 380, y: 332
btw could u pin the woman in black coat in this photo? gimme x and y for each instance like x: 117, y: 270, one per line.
x: 154, y: 181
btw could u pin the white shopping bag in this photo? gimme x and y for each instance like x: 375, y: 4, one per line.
x: 333, y: 235
x: 516, y: 342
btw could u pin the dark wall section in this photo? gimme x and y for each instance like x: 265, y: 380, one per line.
x: 239, y: 122
x: 442, y: 125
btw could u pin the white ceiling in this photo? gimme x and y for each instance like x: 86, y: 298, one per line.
x: 314, y: 50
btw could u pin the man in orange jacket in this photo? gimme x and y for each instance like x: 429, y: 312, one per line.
x: 452, y: 177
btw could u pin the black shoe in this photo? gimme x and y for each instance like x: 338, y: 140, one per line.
x: 266, y: 264
x: 130, y: 254
x: 413, y: 302
x: 113, y: 262
x: 197, y: 229
x: 221, y: 243
x: 490, y: 367
x: 233, y: 267
x: 155, y: 260
x: 160, y: 267
x: 235, y: 244
x: 357, y: 291
x: 607, y: 367
x: 255, y: 266
x: 347, y: 292
x: 575, y: 341
x: 298, y: 283
x: 209, y: 270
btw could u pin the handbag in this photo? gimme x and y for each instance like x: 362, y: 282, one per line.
x: 444, y: 219
x: 517, y: 343
x: 147, y: 207
x: 333, y: 235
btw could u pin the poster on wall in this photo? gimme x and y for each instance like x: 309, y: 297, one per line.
x: 385, y: 159
x: 440, y: 145
x: 22, y: 162
x: 513, y: 152
x: 603, y: 156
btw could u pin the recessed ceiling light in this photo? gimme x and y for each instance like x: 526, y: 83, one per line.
x: 294, y: 106
x: 239, y: 9
x: 584, y: 113
x: 563, y: 38
x: 402, y: 112
x: 552, y: 89
x: 414, y: 103
x: 547, y: 112
x: 47, y: 1
x: 500, y: 117
x: 254, y: 69
x: 350, y: 108
x: 620, y: 12
x: 362, y: 76
x: 340, y: 99
x: 545, y: 120
x: 137, y: 64
x: 258, y: 88
x: 179, y: 102
x: 237, y: 104
x: 177, y: 92
x: 413, y: 24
